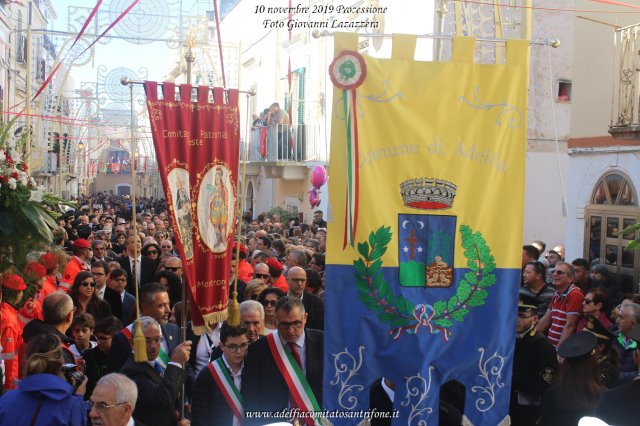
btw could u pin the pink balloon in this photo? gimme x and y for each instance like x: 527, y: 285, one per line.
x: 314, y: 198
x: 318, y: 176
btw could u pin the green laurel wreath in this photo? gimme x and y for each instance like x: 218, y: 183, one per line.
x: 374, y: 290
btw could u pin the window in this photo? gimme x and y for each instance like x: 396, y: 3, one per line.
x: 614, y: 189
x: 614, y: 207
x: 564, y: 91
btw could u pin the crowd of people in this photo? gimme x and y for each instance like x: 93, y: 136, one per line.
x: 576, y: 352
x: 67, y: 347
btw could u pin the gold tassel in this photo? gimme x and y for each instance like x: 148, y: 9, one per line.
x: 233, y: 317
x: 139, y: 344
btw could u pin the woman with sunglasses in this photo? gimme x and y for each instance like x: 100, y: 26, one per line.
x: 85, y: 299
x: 152, y: 251
x: 593, y: 308
x: 268, y: 298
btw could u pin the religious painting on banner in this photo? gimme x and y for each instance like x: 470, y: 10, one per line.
x: 197, y: 145
x: 423, y: 250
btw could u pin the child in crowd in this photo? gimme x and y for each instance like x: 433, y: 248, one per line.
x: 82, y: 330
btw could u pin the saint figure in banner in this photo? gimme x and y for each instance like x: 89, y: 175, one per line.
x: 178, y: 179
x: 215, y: 207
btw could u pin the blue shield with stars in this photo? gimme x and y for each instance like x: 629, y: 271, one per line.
x: 426, y: 250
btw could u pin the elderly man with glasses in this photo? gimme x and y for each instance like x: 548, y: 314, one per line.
x: 268, y: 387
x: 565, y: 307
x: 159, y: 384
x: 113, y: 401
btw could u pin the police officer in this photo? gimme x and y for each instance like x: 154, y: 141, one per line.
x: 534, y: 365
x: 606, y: 357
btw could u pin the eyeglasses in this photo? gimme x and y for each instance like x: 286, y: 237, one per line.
x: 152, y: 252
x: 103, y: 338
x: 557, y: 272
x: 261, y: 275
x: 235, y: 348
x: 587, y: 301
x: 88, y: 283
x: 172, y: 269
x: 286, y: 325
x: 158, y: 339
x: 101, y: 406
x: 269, y: 303
x: 121, y: 279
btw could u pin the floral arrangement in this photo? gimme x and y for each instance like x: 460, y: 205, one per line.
x: 15, y: 183
x: 26, y: 223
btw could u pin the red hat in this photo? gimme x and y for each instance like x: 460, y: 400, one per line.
x: 243, y: 249
x: 81, y: 243
x: 49, y: 260
x: 34, y: 271
x: 13, y: 282
x: 272, y: 263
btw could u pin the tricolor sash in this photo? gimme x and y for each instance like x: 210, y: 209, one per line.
x: 163, y: 357
x: 228, y: 388
x: 297, y: 383
x: 127, y: 333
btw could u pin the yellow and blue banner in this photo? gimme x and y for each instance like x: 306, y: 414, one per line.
x: 424, y: 249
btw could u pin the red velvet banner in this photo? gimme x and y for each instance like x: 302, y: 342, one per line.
x: 197, y: 145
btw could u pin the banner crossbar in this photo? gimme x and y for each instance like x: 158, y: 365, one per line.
x: 125, y: 81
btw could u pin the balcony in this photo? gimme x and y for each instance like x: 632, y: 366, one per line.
x: 625, y: 116
x: 286, y: 145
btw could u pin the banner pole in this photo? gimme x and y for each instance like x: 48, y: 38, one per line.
x: 139, y: 344
x: 189, y: 58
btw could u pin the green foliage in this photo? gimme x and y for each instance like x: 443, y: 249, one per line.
x: 374, y: 291
x: 635, y: 244
x: 285, y: 215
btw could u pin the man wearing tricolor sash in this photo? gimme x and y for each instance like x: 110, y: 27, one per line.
x: 154, y: 302
x: 216, y: 397
x: 284, y: 369
x: 158, y: 386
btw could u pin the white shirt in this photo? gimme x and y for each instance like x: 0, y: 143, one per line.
x: 390, y: 392
x: 138, y: 267
x: 205, y: 346
x: 100, y: 291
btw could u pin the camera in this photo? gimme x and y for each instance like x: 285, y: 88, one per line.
x: 72, y: 375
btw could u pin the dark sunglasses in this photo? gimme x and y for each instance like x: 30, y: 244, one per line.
x: 261, y: 275
x: 269, y: 302
x: 152, y: 252
x: 88, y: 283
x: 169, y: 268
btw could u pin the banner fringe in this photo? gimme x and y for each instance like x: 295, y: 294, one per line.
x: 209, y: 320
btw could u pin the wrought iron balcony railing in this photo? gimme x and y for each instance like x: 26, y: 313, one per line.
x: 625, y: 113
x: 297, y: 143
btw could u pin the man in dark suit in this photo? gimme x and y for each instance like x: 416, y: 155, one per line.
x: 154, y: 302
x: 209, y: 406
x: 99, y: 249
x: 619, y: 406
x: 313, y: 306
x: 146, y: 268
x: 264, y: 387
x: 158, y: 386
x: 121, y: 302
